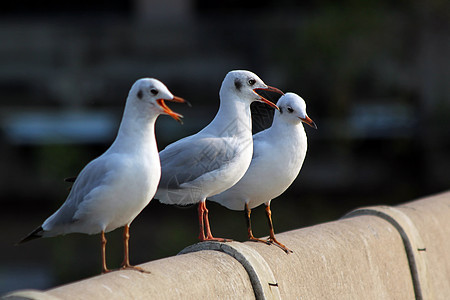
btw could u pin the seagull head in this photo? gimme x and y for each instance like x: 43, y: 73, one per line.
x: 292, y: 109
x: 153, y: 93
x: 245, y: 84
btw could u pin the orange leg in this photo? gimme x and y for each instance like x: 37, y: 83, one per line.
x: 249, y: 226
x: 201, y: 211
x: 272, y: 238
x: 205, y: 231
x: 126, y: 255
x: 104, y: 267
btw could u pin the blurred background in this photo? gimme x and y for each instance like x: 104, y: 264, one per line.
x: 375, y: 76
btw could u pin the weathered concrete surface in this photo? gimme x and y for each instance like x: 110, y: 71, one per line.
x: 29, y: 294
x: 190, y: 276
x: 261, y: 276
x: 425, y: 228
x: 357, y: 258
x: 379, y: 252
x: 412, y: 241
x: 431, y: 217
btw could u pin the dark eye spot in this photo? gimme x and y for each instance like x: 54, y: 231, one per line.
x: 237, y: 84
x: 139, y: 94
x: 154, y: 91
x: 251, y: 81
x: 290, y: 109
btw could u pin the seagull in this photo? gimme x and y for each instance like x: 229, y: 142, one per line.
x: 211, y: 161
x: 278, y: 155
x: 114, y: 188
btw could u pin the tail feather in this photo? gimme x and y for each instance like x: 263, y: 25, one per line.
x: 37, y: 233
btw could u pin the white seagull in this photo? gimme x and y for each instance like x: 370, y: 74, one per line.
x: 211, y: 161
x: 278, y: 155
x: 114, y: 188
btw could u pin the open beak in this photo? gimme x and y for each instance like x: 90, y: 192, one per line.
x: 310, y: 122
x: 269, y: 89
x: 170, y: 112
x: 180, y: 100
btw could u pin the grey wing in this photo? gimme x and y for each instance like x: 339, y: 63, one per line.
x: 93, y: 175
x: 186, y: 160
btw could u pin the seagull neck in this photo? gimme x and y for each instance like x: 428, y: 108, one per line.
x: 136, y: 131
x: 233, y: 118
x: 281, y: 127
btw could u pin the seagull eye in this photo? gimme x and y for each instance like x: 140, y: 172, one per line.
x: 154, y: 91
x: 251, y: 81
x: 290, y: 109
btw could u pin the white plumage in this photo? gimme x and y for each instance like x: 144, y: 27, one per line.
x: 214, y: 159
x: 114, y: 188
x: 278, y: 155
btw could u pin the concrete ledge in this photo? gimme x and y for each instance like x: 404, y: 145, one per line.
x: 413, y: 243
x: 425, y: 228
x: 358, y: 258
x: 431, y: 217
x: 29, y: 294
x: 263, y: 281
x: 377, y: 252
x: 190, y: 276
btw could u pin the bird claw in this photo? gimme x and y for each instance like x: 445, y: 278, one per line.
x: 253, y: 239
x: 135, y: 268
x: 279, y: 245
x: 222, y: 240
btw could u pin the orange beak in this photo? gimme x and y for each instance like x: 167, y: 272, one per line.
x: 270, y: 89
x: 179, y: 100
x: 170, y: 112
x: 310, y: 122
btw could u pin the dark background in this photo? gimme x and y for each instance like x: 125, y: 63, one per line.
x: 374, y: 74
